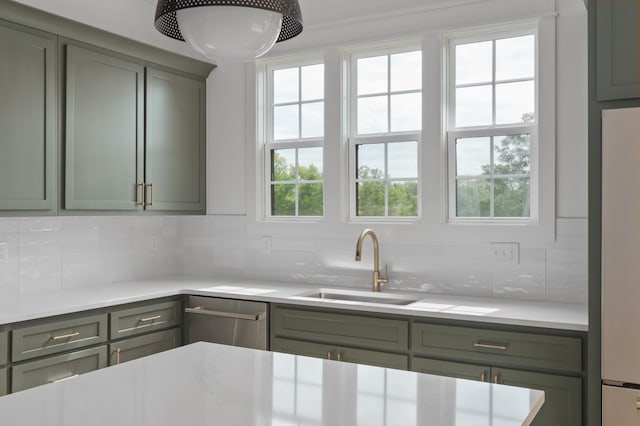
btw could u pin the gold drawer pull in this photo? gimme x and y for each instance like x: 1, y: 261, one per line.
x: 488, y: 346
x: 150, y: 185
x: 482, y: 377
x: 66, y: 336
x: 157, y: 317
x: 495, y: 379
x: 141, y: 185
x: 329, y: 355
x: 117, y: 351
x: 339, y: 356
x: 64, y: 378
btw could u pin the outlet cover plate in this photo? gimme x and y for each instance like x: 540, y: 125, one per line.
x: 505, y: 253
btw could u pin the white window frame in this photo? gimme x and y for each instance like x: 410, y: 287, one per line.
x: 270, y: 144
x: 453, y: 133
x: 354, y: 139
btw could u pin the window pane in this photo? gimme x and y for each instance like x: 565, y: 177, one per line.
x: 285, y: 122
x: 372, y: 75
x: 474, y: 63
x: 313, y: 82
x: 403, y: 160
x: 473, y: 156
x: 310, y: 199
x: 406, y: 71
x: 473, y: 106
x: 310, y: 163
x: 283, y: 200
x: 406, y: 112
x: 283, y: 165
x: 515, y: 57
x: 370, y: 161
x: 511, y: 155
x: 372, y: 115
x: 472, y: 198
x: 313, y: 120
x: 370, y: 198
x: 515, y: 102
x: 403, y: 199
x: 511, y: 197
x: 285, y: 85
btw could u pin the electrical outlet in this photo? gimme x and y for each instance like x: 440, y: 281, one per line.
x: 507, y: 253
x: 4, y: 252
x: 266, y: 244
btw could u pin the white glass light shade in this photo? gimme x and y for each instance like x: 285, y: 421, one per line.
x: 229, y: 32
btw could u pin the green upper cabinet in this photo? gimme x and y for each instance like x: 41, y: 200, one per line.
x: 27, y: 119
x: 175, y: 142
x: 617, y: 52
x: 135, y: 136
x: 103, y: 137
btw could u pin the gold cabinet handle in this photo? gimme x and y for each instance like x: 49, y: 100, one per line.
x: 150, y: 185
x: 329, y: 355
x: 148, y: 319
x: 117, y: 351
x: 339, y: 356
x: 65, y: 336
x: 489, y: 346
x: 495, y: 379
x: 483, y: 377
x: 141, y: 185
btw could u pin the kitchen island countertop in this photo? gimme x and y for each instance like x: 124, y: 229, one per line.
x: 562, y: 316
x: 211, y: 384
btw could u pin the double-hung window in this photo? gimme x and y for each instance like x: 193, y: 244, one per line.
x: 385, y: 133
x: 294, y: 141
x: 492, y: 127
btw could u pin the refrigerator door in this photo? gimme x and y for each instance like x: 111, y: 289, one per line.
x: 620, y: 406
x: 621, y: 245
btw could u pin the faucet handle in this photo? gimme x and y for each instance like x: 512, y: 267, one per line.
x: 384, y: 278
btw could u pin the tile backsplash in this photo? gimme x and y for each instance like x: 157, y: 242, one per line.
x: 64, y: 252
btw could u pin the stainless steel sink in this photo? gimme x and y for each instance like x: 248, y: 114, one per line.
x: 359, y: 296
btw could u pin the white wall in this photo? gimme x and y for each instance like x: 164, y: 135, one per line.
x: 53, y: 253
x: 554, y: 269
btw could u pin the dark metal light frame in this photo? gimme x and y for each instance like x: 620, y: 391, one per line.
x: 292, y: 23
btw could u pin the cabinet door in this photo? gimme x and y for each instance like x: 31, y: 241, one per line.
x: 104, y: 133
x: 451, y: 369
x: 617, y: 53
x: 175, y: 142
x: 3, y: 382
x: 562, y: 395
x: 346, y: 354
x: 57, y: 368
x: 27, y: 120
x: 138, y: 347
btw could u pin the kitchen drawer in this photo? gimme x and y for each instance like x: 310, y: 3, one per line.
x: 4, y: 347
x: 498, y: 347
x: 131, y: 321
x: 57, y: 336
x: 137, y: 347
x: 340, y: 353
x: 336, y: 328
x: 451, y: 369
x: 4, y: 388
x: 57, y: 368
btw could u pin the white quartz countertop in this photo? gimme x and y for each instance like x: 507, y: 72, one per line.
x: 563, y: 316
x: 211, y: 384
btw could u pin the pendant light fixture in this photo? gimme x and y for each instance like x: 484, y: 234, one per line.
x: 229, y: 29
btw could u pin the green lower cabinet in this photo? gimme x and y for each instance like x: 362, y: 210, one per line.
x: 563, y: 395
x: 4, y: 388
x: 340, y: 353
x: 57, y: 368
x: 138, y: 347
x: 4, y: 347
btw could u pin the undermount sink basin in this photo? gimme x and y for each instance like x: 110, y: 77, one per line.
x: 359, y: 296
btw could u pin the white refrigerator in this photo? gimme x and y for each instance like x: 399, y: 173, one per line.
x: 621, y: 267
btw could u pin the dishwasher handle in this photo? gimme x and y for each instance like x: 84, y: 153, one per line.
x: 249, y: 317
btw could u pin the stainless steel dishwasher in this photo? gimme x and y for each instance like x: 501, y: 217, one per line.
x: 227, y: 321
